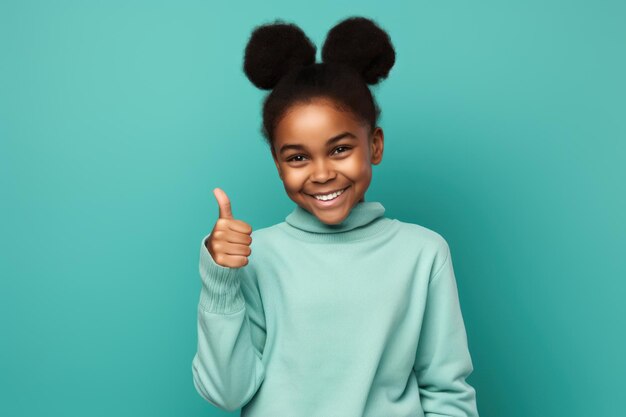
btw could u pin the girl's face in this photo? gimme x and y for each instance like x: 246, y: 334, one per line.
x: 319, y: 150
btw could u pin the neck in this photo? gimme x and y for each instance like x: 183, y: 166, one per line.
x: 365, y: 218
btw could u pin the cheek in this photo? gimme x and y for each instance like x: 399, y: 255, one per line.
x: 293, y: 179
x: 358, y: 167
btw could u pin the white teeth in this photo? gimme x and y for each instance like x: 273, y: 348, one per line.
x: 329, y: 196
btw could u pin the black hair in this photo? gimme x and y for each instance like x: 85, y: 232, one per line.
x: 281, y: 58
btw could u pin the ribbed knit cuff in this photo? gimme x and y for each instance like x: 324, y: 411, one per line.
x: 221, y: 291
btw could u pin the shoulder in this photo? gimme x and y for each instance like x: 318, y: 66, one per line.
x: 427, y: 241
x: 422, y: 235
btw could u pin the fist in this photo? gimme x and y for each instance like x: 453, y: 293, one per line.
x: 229, y: 241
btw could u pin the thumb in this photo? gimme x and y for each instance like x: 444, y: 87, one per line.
x: 224, y: 204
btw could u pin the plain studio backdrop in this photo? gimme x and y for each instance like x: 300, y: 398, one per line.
x: 504, y: 130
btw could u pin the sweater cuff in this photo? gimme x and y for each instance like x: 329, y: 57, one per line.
x: 221, y: 291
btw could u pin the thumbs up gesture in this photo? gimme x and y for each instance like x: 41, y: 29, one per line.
x: 229, y: 241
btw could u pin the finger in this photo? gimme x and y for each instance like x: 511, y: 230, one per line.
x: 234, y: 261
x: 232, y: 236
x: 235, y: 249
x: 224, y: 204
x: 239, y: 226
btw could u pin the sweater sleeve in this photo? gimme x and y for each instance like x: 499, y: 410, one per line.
x: 227, y: 367
x: 443, y: 360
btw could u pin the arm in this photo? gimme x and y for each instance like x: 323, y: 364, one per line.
x: 227, y: 367
x: 443, y: 360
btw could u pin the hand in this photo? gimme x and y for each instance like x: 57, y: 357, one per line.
x: 229, y: 241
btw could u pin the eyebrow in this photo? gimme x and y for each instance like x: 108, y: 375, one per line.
x: 328, y: 142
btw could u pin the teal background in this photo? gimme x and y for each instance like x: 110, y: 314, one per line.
x: 504, y: 125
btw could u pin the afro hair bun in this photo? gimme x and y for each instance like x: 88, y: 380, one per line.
x: 273, y: 50
x: 361, y: 44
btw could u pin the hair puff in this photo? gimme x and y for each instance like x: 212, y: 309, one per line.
x: 361, y: 44
x: 273, y: 50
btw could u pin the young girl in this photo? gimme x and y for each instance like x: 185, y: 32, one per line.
x: 338, y: 310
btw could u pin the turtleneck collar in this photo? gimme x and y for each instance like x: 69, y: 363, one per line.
x: 365, y: 218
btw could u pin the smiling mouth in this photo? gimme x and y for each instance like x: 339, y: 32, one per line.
x: 341, y: 191
x: 332, y: 192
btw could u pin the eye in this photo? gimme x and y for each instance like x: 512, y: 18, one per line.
x: 342, y: 147
x: 293, y: 158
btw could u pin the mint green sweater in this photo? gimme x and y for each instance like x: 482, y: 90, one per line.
x: 356, y: 319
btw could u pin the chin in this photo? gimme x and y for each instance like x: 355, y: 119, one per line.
x: 333, y: 219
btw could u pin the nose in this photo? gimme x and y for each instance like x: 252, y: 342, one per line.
x: 322, y: 171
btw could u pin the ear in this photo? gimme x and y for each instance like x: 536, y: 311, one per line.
x: 377, y: 145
